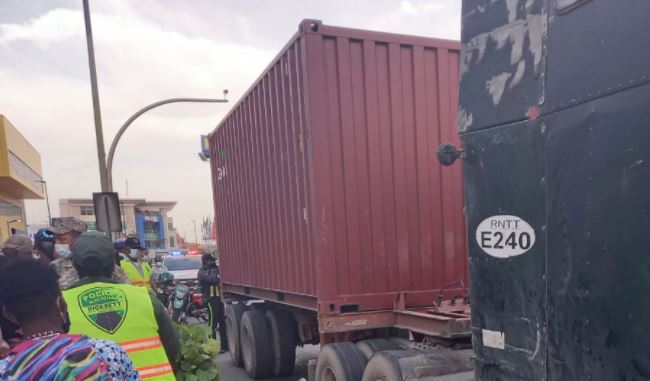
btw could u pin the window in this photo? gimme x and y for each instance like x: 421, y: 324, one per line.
x: 10, y: 210
x: 170, y: 226
x: 92, y: 225
x: 172, y: 242
x: 152, y: 237
x: 183, y: 263
x: 22, y: 170
x: 87, y: 210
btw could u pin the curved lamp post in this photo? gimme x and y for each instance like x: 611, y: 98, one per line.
x: 111, y: 152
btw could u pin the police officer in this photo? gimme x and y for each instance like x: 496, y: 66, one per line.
x: 66, y: 231
x: 210, y: 283
x: 101, y: 308
x: 138, y: 271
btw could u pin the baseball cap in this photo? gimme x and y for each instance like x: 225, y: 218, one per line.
x: 133, y: 243
x: 93, y: 245
x: 66, y: 225
x: 21, y: 243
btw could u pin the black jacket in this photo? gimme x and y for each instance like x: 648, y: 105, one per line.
x: 209, y: 280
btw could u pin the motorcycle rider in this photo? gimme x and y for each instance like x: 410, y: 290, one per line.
x: 210, y: 282
x: 138, y: 271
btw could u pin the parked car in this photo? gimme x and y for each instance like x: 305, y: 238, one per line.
x: 184, y: 268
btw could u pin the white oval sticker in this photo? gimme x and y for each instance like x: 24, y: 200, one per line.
x: 505, y: 236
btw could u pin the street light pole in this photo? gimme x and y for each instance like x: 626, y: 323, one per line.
x: 99, y: 134
x: 47, y: 200
x: 196, y: 237
x: 118, y: 136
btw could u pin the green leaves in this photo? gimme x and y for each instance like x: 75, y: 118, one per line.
x: 198, y: 358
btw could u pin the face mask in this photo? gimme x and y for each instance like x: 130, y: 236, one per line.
x: 63, y: 250
x: 133, y: 253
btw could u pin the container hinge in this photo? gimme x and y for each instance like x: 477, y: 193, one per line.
x: 301, y: 142
x: 304, y: 214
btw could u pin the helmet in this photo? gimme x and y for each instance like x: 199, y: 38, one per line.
x: 44, y: 242
x: 166, y: 277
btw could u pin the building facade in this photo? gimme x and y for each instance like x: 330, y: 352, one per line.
x: 148, y: 220
x: 21, y: 178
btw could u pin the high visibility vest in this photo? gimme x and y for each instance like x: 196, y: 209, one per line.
x: 134, y: 275
x: 123, y: 314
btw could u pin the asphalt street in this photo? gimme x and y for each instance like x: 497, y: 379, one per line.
x: 231, y: 373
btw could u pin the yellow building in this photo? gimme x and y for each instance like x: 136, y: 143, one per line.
x: 21, y: 176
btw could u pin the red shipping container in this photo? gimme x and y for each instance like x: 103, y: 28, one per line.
x: 328, y: 195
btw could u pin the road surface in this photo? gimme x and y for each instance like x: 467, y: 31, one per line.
x: 232, y: 373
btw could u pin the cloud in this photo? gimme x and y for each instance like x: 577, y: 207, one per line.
x: 151, y: 50
x: 138, y: 63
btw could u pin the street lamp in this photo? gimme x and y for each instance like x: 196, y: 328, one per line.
x: 47, y: 200
x: 111, y: 152
x: 196, y: 237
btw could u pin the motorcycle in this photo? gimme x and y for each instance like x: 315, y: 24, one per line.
x: 164, y: 286
x: 179, y: 302
x: 197, y: 308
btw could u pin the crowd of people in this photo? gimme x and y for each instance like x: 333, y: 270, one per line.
x: 76, y: 306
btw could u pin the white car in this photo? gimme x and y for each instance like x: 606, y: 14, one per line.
x: 184, y: 268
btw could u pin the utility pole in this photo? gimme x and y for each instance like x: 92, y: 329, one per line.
x: 47, y: 200
x: 196, y: 237
x: 99, y: 134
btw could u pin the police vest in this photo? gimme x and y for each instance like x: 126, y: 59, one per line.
x: 134, y: 275
x: 123, y: 314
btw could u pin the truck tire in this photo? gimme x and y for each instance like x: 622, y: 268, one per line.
x: 383, y: 367
x: 340, y: 362
x: 283, y: 341
x: 411, y: 364
x: 255, y: 343
x: 234, y: 314
x: 372, y: 346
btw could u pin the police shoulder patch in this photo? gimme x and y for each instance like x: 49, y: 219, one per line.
x: 104, y: 307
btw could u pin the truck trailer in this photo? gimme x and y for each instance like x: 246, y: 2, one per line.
x: 337, y: 225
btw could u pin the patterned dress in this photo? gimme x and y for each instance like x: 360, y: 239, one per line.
x: 67, y: 357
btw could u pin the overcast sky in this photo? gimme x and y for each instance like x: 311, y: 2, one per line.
x: 148, y: 50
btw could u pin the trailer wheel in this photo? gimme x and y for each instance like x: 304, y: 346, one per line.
x: 412, y: 364
x: 234, y: 314
x: 283, y: 341
x: 372, y: 346
x: 340, y: 362
x: 382, y: 367
x: 255, y: 344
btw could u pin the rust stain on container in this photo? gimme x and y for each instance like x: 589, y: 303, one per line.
x: 326, y: 186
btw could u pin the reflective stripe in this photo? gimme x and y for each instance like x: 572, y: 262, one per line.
x: 154, y: 371
x: 141, y: 344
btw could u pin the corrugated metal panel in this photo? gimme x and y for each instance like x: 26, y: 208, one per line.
x: 331, y: 187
